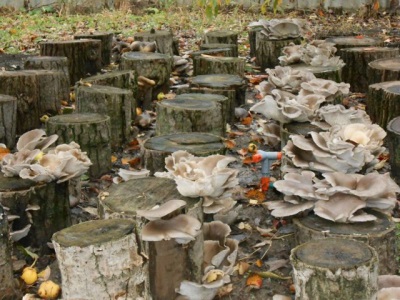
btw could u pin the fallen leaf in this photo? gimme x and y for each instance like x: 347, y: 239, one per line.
x: 255, y: 281
x: 268, y: 274
x: 265, y: 232
x: 256, y: 194
x: 243, y: 267
x: 262, y: 244
x: 234, y: 134
x: 230, y: 144
x: 113, y: 158
x: 134, y: 163
x: 225, y: 290
x: 247, y: 121
x: 276, y: 264
x: 243, y: 152
x: 259, y: 263
x: 376, y: 5
x: 247, y: 160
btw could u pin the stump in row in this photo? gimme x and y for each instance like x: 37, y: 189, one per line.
x: 217, y: 52
x: 385, y: 69
x: 163, y: 38
x: 234, y: 52
x: 106, y: 39
x: 204, y: 65
x: 325, y: 72
x: 221, y: 37
x: 8, y: 120
x: 342, y: 42
x: 55, y: 63
x: 393, y: 141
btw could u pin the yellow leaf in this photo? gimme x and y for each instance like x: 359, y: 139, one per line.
x: 255, y: 281
x: 375, y: 6
x: 113, y: 158
x: 214, y: 275
x: 243, y: 267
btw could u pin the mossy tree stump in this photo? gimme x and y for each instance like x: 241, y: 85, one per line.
x: 357, y: 60
x: 38, y: 92
x: 163, y: 38
x: 93, y: 134
x: 8, y: 287
x: 8, y: 120
x: 234, y: 52
x: 342, y: 42
x: 169, y: 262
x: 154, y: 66
x: 56, y: 63
x: 84, y: 56
x: 204, y: 65
x: 156, y: 149
x: 393, y: 142
x: 268, y: 50
x: 106, y: 39
x: 383, y: 102
x: 385, y: 69
x: 221, y: 37
x: 330, y: 72
x: 189, y: 115
x: 113, y: 102
x: 44, y: 207
x: 101, y: 259
x: 334, y: 269
x: 379, y: 234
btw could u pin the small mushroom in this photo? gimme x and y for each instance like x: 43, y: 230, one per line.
x: 19, y: 234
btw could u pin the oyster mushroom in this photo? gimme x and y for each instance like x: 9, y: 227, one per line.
x: 327, y: 88
x: 35, y: 139
x: 162, y: 210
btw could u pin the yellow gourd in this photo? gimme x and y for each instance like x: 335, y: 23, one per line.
x: 49, y: 290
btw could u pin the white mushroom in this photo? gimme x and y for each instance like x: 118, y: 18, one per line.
x: 19, y: 234
x: 162, y: 210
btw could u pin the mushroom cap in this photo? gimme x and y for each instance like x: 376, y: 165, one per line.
x: 161, y: 211
x: 35, y: 139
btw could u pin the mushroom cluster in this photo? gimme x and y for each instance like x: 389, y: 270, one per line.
x: 338, y: 197
x: 207, y: 177
x: 35, y: 162
x: 278, y: 29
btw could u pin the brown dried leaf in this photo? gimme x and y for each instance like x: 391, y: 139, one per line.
x: 230, y: 144
x: 255, y: 281
x: 242, y: 267
x: 257, y: 195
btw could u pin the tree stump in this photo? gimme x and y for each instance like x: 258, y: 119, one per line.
x: 342, y: 42
x: 379, y: 234
x: 357, y: 60
x: 334, y: 269
x: 156, y: 149
x: 93, y: 134
x: 252, y: 40
x: 393, y: 142
x: 101, y: 259
x: 84, y: 56
x: 385, y: 69
x: 188, y: 115
x: 234, y: 52
x: 8, y: 287
x: 329, y: 72
x: 113, y: 102
x: 268, y: 50
x: 38, y: 92
x: 169, y: 262
x: 232, y: 86
x: 383, y: 102
x: 55, y: 63
x: 154, y: 66
x: 44, y: 207
x: 163, y: 38
x: 203, y: 65
x: 218, y: 52
x: 221, y: 37
x: 8, y: 120
x: 106, y: 39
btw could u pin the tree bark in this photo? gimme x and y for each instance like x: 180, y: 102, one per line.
x: 169, y: 262
x: 335, y: 269
x: 91, y: 131
x: 113, y: 102
x: 385, y: 69
x: 163, y: 38
x: 357, y: 60
x: 84, y: 56
x: 379, y: 234
x: 342, y: 42
x: 218, y: 65
x: 329, y: 72
x: 218, y: 52
x: 187, y: 115
x: 156, y: 149
x: 234, y: 52
x: 383, y: 102
x: 221, y: 37
x: 106, y: 39
x: 267, y: 51
x: 112, y: 260
x: 393, y: 142
x: 55, y: 63
x: 8, y: 120
x: 44, y: 206
x: 252, y: 40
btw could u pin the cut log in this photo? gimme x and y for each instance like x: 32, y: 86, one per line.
x: 154, y: 66
x: 357, y: 60
x: 267, y: 51
x: 334, y: 269
x: 188, y: 115
x: 113, y: 102
x: 56, y: 63
x: 212, y: 46
x: 156, y: 149
x: 217, y: 52
x: 383, y: 102
x: 252, y: 40
x: 106, y: 39
x: 8, y: 120
x: 93, y: 134
x: 232, y: 86
x: 84, y: 56
x: 329, y: 72
x: 169, y: 262
x: 393, y: 142
x: 385, y: 69
x: 221, y: 37
x: 38, y: 92
x: 342, y: 42
x: 8, y: 287
x: 101, y: 259
x: 44, y: 207
x: 203, y: 65
x: 163, y: 38
x: 379, y: 234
